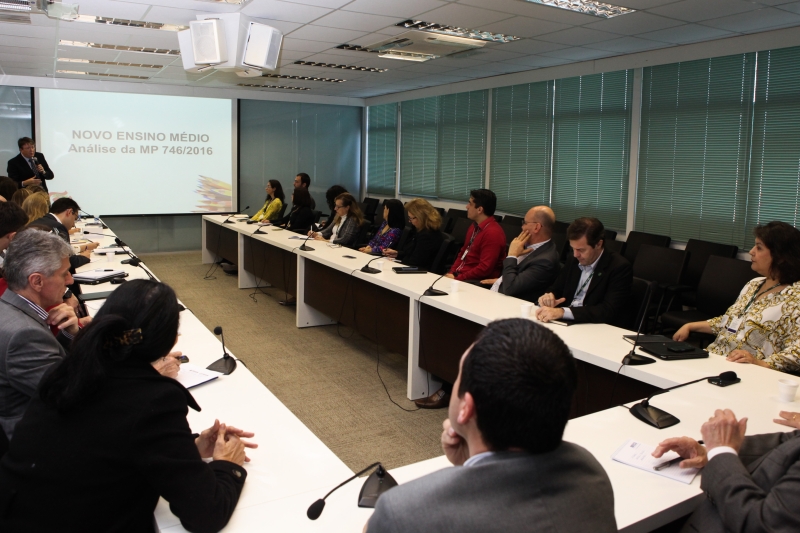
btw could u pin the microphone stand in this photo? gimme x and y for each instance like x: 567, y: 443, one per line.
x: 633, y: 358
x: 661, y: 419
x: 229, y: 221
x: 304, y: 247
x: 226, y: 364
x: 368, y: 269
x: 135, y: 261
x: 430, y: 291
x: 376, y: 484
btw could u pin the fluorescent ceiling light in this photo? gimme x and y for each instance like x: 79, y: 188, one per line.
x: 130, y: 23
x: 345, y: 67
x: 17, y: 5
x: 273, y: 87
x: 102, y: 74
x: 407, y: 56
x: 110, y: 63
x: 159, y: 51
x: 304, y: 78
x: 455, y: 31
x: 587, y: 7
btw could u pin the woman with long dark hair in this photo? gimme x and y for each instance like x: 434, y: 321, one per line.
x: 271, y: 210
x: 301, y: 217
x: 394, y: 220
x: 106, y: 435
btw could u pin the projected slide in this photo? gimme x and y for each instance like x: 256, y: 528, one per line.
x: 137, y: 154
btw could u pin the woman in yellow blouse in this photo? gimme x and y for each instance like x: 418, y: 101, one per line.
x: 763, y: 326
x: 273, y: 205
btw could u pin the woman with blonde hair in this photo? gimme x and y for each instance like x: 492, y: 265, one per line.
x: 424, y: 241
x: 20, y: 196
x: 346, y: 223
x: 36, y: 206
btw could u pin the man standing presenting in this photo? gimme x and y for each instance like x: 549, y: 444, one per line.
x: 484, y: 248
x: 512, y: 470
x: 532, y: 263
x: 30, y: 166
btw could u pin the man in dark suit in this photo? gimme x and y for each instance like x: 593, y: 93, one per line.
x: 512, y: 470
x: 30, y: 166
x: 532, y: 263
x: 751, y: 483
x: 594, y: 285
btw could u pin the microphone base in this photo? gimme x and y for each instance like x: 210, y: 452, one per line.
x: 306, y: 248
x: 635, y: 359
x: 376, y: 484
x: 228, y: 222
x: 370, y: 270
x: 434, y: 292
x: 226, y: 365
x: 653, y: 416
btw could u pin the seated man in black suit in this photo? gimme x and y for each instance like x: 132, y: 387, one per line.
x: 63, y: 215
x: 512, y: 470
x: 532, y: 263
x: 30, y: 166
x: 594, y: 285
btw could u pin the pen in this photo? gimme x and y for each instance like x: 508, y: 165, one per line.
x: 667, y: 464
x: 558, y: 323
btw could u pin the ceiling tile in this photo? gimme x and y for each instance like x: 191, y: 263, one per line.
x: 285, y: 11
x: 111, y: 8
x: 464, y: 16
x: 755, y: 20
x: 168, y: 15
x: 328, y: 35
x: 697, y: 10
x: 578, y: 36
x: 429, y: 67
x: 689, y: 33
x: 525, y: 27
x: 628, y: 45
x: 532, y: 46
x: 356, y: 21
x: 538, y: 61
x: 773, y: 2
x: 26, y: 42
x: 302, y: 45
x: 642, y: 4
x: 493, y: 69
x: 29, y: 52
x: 577, y: 53
x: 404, y: 9
x: 281, y: 25
x: 634, y: 23
x: 25, y: 30
x: 333, y: 4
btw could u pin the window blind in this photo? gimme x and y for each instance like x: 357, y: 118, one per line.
x: 419, y: 135
x: 381, y: 149
x: 694, y: 149
x: 591, y: 147
x: 521, y: 141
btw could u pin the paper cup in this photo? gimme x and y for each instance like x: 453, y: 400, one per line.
x: 110, y: 256
x: 379, y: 265
x: 454, y: 285
x: 525, y: 310
x: 787, y: 390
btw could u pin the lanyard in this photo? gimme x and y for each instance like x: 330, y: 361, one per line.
x: 466, y: 252
x: 584, y: 284
x: 757, y: 294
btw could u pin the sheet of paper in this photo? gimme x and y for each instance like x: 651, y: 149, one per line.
x: 192, y: 375
x: 97, y: 274
x: 640, y: 455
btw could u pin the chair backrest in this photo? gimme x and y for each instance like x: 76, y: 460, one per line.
x: 637, y: 238
x: 562, y: 245
x: 512, y: 220
x: 615, y: 246
x: 662, y: 265
x: 456, y: 213
x: 448, y: 224
x: 438, y: 265
x: 611, y: 235
x: 460, y: 228
x: 440, y: 210
x: 283, y: 210
x: 370, y: 206
x: 403, y: 237
x: 699, y: 252
x: 363, y: 232
x: 317, y: 216
x: 498, y: 218
x: 721, y: 283
x: 560, y: 227
x: 512, y: 231
x: 641, y: 302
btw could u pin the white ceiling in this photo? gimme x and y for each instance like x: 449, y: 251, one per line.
x: 313, y: 29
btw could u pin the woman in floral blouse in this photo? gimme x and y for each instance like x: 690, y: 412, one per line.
x: 763, y: 326
x: 388, y: 234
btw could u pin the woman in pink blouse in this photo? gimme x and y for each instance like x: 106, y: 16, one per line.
x: 389, y: 233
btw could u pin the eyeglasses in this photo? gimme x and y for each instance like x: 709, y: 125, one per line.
x: 340, y: 207
x: 411, y: 218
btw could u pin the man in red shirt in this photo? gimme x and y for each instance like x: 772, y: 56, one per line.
x: 484, y: 248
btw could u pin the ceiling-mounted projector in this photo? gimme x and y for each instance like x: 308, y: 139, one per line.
x: 229, y: 42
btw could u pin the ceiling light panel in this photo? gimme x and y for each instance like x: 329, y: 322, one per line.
x: 344, y: 67
x: 392, y: 54
x: 111, y: 21
x: 587, y: 7
x: 304, y: 78
x: 455, y: 31
x: 273, y: 87
x: 23, y: 6
x: 108, y: 63
x: 80, y: 73
x: 144, y: 50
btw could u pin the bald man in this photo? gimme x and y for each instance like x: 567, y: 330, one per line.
x: 532, y: 264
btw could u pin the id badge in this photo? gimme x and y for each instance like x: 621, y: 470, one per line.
x: 735, y: 324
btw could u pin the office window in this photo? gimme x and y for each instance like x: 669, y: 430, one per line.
x: 15, y: 120
x: 591, y: 147
x: 521, y: 142
x: 381, y: 149
x: 694, y: 146
x: 774, y: 192
x: 443, y: 145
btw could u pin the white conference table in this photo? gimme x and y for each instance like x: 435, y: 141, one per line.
x: 290, y: 472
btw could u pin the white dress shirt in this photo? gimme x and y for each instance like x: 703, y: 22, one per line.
x: 337, y: 228
x: 478, y: 457
x: 583, y: 286
x: 713, y: 452
x: 532, y: 248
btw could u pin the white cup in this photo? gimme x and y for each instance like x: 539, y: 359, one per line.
x: 787, y: 390
x: 110, y: 256
x: 454, y: 285
x: 525, y: 310
x: 379, y: 265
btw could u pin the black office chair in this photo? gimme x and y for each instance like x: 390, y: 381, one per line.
x: 440, y: 210
x: 317, y: 216
x: 459, y: 231
x: 511, y: 220
x: 611, y: 235
x: 439, y: 265
x: 699, y: 252
x: 283, y: 210
x: 719, y: 286
x: 637, y: 238
x: 456, y: 213
x: 363, y: 235
x: 641, y: 298
x: 401, y: 242
x: 370, y: 207
x: 665, y: 267
x: 3, y: 443
x: 512, y: 231
x: 615, y: 246
x: 498, y: 218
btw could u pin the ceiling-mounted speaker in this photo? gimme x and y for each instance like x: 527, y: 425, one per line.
x: 209, y: 45
x: 187, y: 53
x: 262, y: 47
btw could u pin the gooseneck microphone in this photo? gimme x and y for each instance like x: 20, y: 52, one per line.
x: 430, y: 291
x: 376, y: 484
x: 135, y: 261
x: 304, y: 246
x: 633, y: 358
x: 226, y: 364
x: 229, y: 221
x: 368, y: 269
x: 101, y: 234
x: 661, y: 419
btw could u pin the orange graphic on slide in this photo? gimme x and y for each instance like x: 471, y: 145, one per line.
x: 216, y: 195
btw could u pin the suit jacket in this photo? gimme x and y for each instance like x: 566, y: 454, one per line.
x: 608, y: 298
x: 756, y: 491
x: 103, y: 465
x: 531, y: 277
x: 19, y: 170
x: 561, y: 491
x: 27, y: 349
x: 347, y: 235
x: 51, y: 221
x: 420, y: 248
x: 298, y: 220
